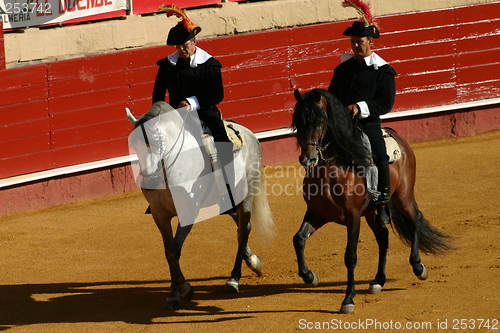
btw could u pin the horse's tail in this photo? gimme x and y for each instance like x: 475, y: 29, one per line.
x: 262, y: 218
x: 430, y: 240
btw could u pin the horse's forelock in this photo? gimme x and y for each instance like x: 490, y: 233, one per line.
x: 156, y: 109
x: 347, y: 138
x: 307, y: 116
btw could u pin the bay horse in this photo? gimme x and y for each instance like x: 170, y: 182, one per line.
x: 334, y: 190
x: 170, y: 149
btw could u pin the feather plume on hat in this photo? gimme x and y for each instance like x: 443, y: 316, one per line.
x: 173, y: 10
x: 363, y: 10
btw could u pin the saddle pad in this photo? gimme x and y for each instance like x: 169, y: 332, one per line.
x: 234, y: 135
x: 392, y: 147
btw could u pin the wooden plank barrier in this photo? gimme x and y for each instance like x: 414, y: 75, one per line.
x: 2, y: 47
x: 69, y: 112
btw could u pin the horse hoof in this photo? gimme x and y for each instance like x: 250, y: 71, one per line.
x: 315, y: 280
x: 232, y: 286
x: 255, y: 264
x: 425, y: 273
x: 187, y: 293
x: 173, y: 304
x: 347, y: 308
x: 311, y: 279
x: 375, y: 288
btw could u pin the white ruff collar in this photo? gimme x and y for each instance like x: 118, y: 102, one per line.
x: 372, y: 60
x: 198, y: 58
x: 375, y: 60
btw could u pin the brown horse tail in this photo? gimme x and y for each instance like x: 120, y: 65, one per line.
x: 430, y: 239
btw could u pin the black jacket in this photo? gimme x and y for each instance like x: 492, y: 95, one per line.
x: 355, y: 82
x: 183, y: 81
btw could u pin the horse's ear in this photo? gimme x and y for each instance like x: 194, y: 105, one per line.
x: 297, y: 94
x: 130, y: 117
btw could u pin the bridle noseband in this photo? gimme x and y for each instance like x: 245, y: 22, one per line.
x: 320, y: 148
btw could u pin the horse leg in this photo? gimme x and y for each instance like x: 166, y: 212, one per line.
x: 299, y: 243
x: 350, y: 259
x: 382, y: 236
x: 252, y: 260
x: 407, y: 214
x: 180, y: 289
x: 244, y: 227
x: 419, y: 269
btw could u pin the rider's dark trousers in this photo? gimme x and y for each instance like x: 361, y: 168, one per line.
x: 374, y: 132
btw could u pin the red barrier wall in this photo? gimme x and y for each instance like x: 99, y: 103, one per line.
x: 70, y: 112
x: 151, y: 6
x: 2, y: 48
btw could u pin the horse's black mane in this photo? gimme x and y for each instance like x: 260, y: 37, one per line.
x: 342, y: 133
x: 155, y: 110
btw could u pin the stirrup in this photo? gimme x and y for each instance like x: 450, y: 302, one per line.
x: 219, y: 173
x: 209, y: 144
x: 382, y: 214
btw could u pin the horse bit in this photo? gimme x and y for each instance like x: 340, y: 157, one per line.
x: 320, y: 149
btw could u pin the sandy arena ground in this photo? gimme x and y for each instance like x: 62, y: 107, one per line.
x: 98, y: 266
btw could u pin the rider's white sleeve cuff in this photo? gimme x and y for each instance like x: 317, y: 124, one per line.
x: 193, y: 101
x: 364, y: 112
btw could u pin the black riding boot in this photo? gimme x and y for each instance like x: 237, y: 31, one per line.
x: 225, y: 155
x: 382, y: 214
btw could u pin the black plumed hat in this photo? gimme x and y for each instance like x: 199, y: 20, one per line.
x: 359, y: 28
x: 179, y: 35
x: 366, y: 26
x: 184, y: 31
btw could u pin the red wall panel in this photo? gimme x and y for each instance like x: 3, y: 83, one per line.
x: 22, y: 111
x: 24, y: 145
x: 17, y: 77
x: 151, y: 6
x: 22, y: 164
x: 484, y: 12
x: 26, y: 93
x: 77, y: 136
x: 83, y: 84
x: 25, y: 129
x: 256, y: 88
x: 89, y: 99
x: 92, y: 151
x: 87, y: 116
x: 2, y: 47
x: 87, y: 67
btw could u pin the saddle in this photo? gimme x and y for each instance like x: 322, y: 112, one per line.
x: 234, y: 135
x: 392, y: 147
x: 237, y: 141
x: 393, y: 151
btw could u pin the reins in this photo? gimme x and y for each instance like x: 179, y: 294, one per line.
x: 167, y: 154
x: 321, y: 149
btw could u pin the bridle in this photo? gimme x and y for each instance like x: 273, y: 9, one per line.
x: 320, y: 148
x: 162, y: 169
x: 157, y: 173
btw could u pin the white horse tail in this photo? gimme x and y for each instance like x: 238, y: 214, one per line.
x: 262, y: 218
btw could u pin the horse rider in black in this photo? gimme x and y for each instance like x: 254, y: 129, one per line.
x: 193, y: 78
x: 365, y: 85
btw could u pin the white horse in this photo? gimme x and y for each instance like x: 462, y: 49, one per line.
x: 169, y: 148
